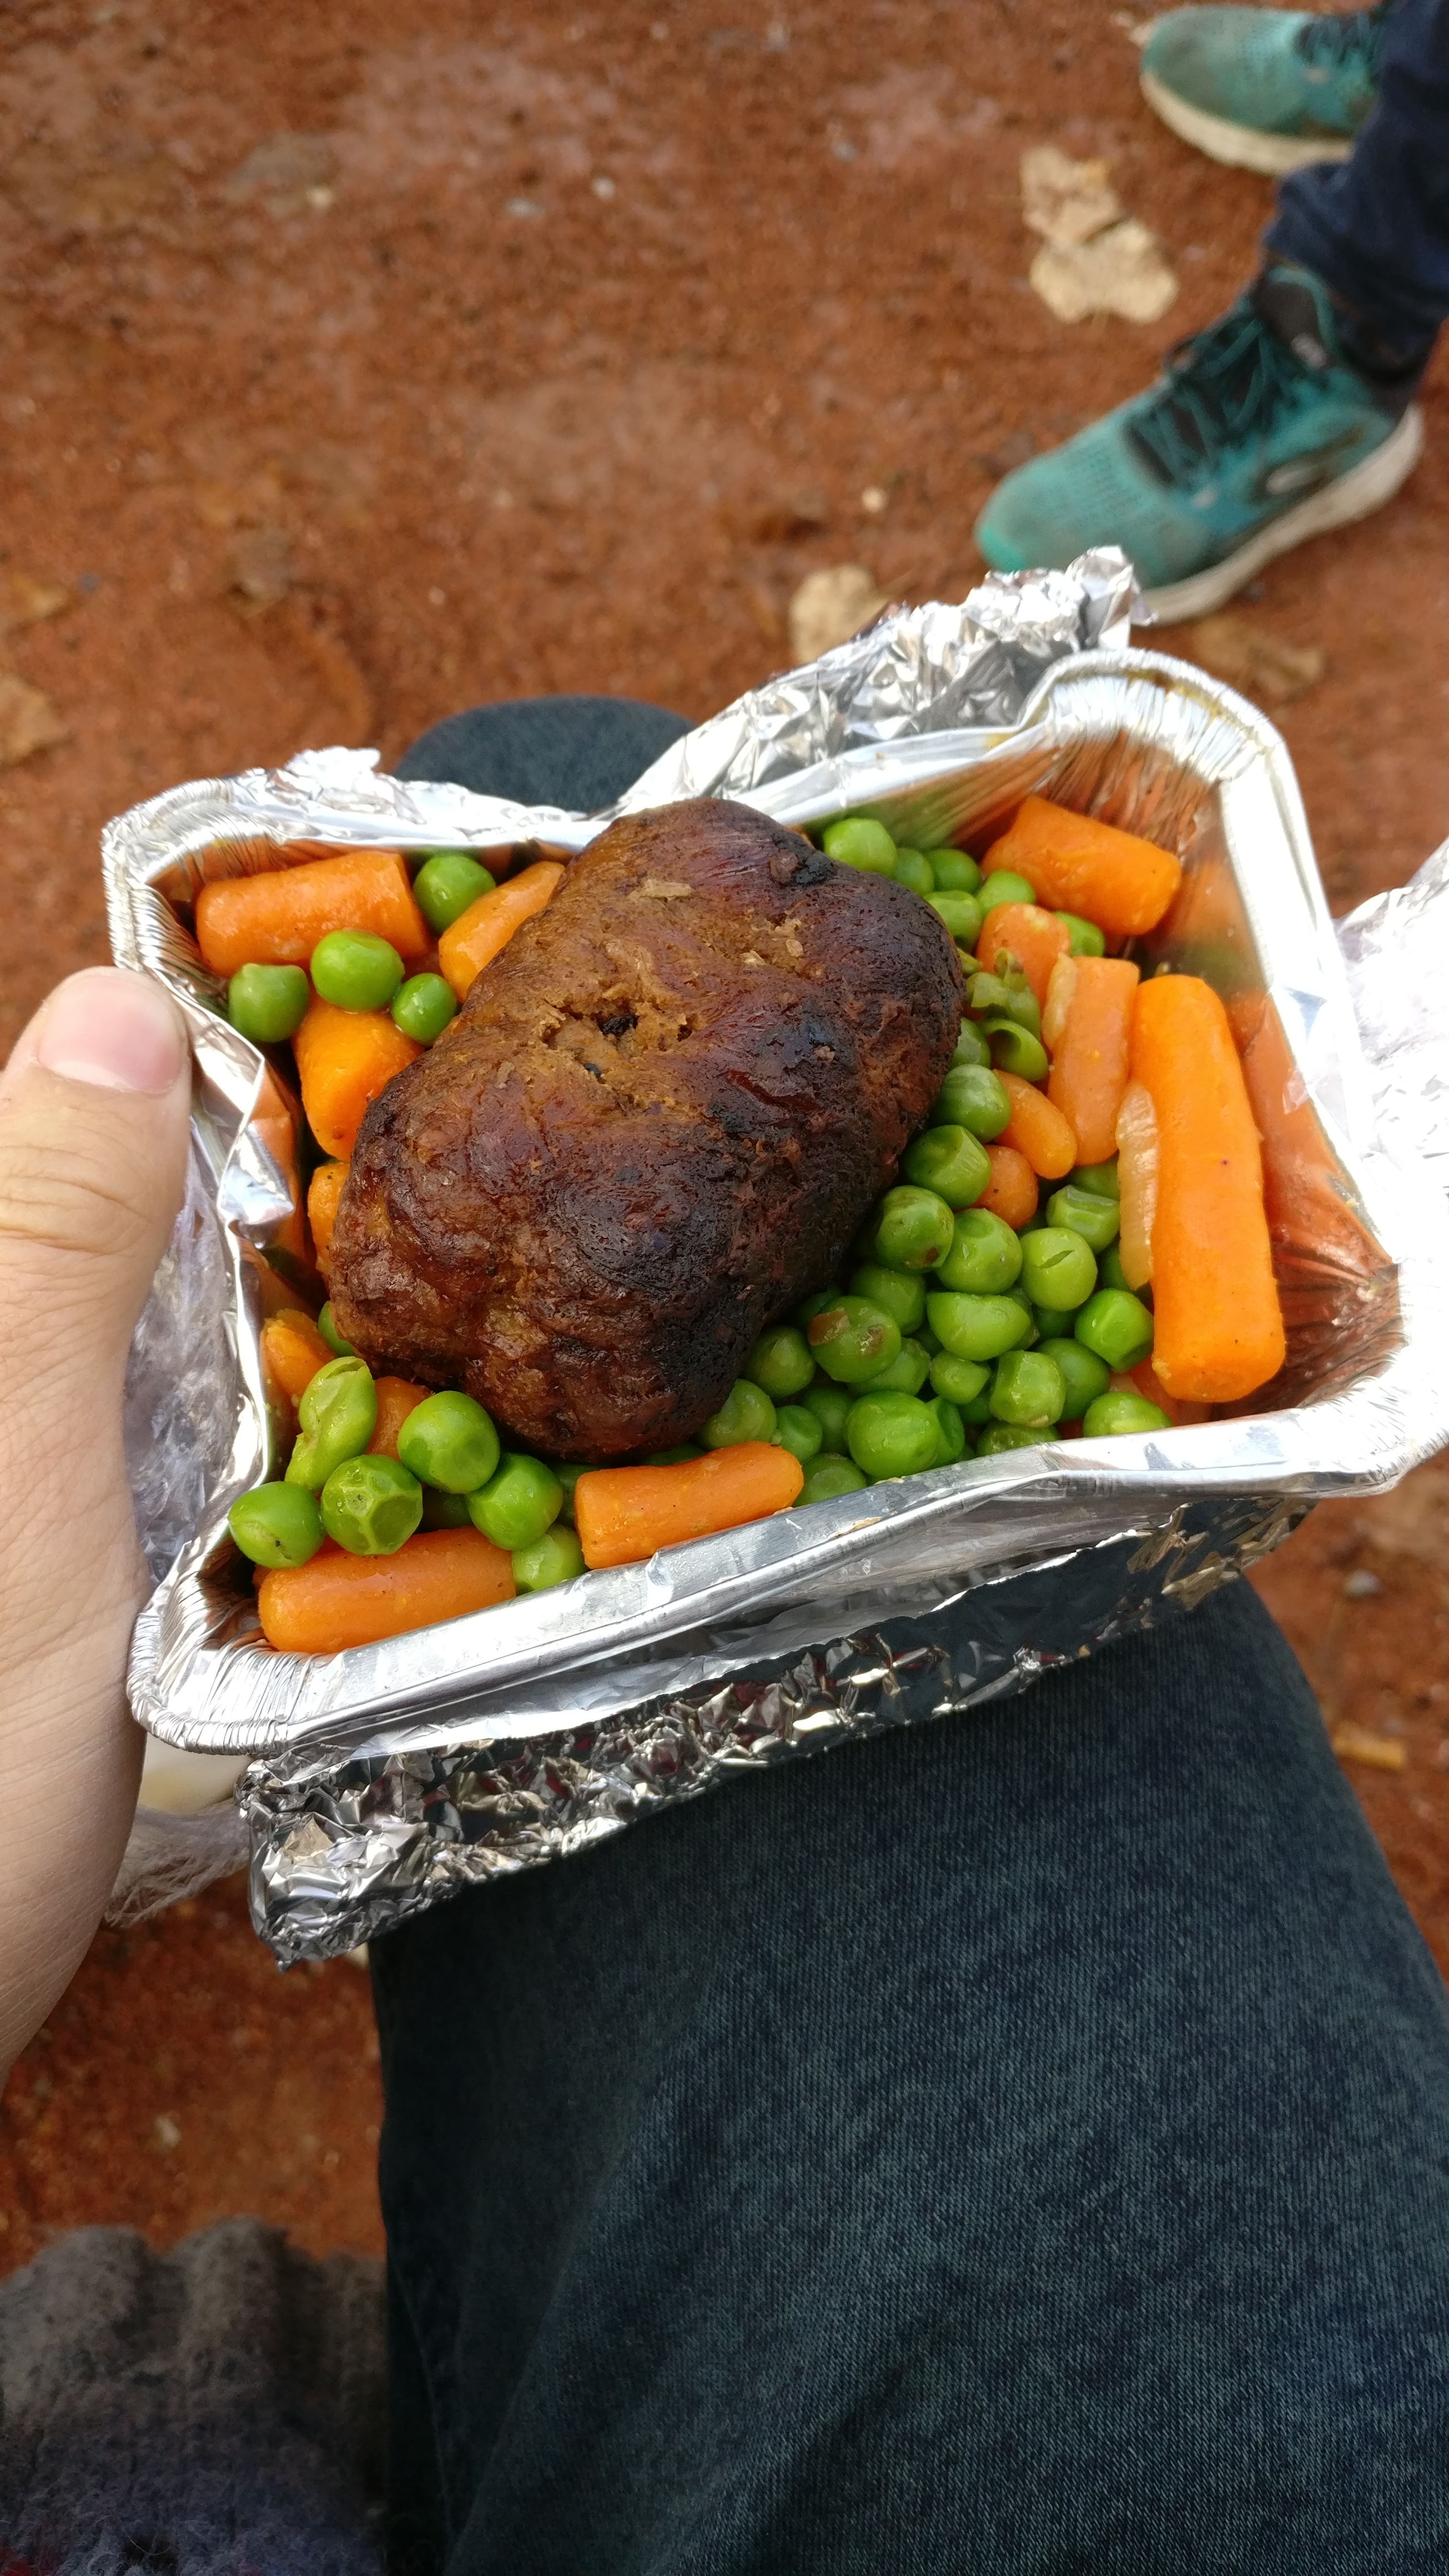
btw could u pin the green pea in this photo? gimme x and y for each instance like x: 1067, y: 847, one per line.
x: 276, y: 1525
x: 521, y: 1500
x: 268, y: 1003
x: 1007, y: 998
x: 950, y: 1430
x: 1057, y: 1268
x: 857, y: 842
x: 1116, y: 1412
x: 370, y: 1505
x: 1019, y: 1296
x: 892, y: 1434
x: 449, y: 1441
x: 780, y: 1362
x: 555, y: 1558
x: 568, y: 1475
x: 331, y: 1336
x: 830, y: 1474
x: 1009, y: 1435
x: 355, y: 970
x: 961, y: 914
x: 446, y: 884
x: 830, y: 1405
x: 913, y: 1229
x: 985, y: 1255
x: 914, y: 869
x: 1016, y: 1050
x: 1085, y: 938
x: 675, y: 1457
x: 906, y: 1374
x: 956, y: 1379
x: 1005, y: 886
x: 338, y: 1416
x: 1028, y: 1388
x: 746, y: 1414
x: 444, y: 1511
x: 949, y: 1161
x: 901, y: 1292
x: 799, y: 1430
x: 1097, y: 1220
x: 1117, y: 1326
x: 972, y: 1097
x: 810, y: 1307
x: 927, y: 1340
x: 971, y: 1048
x: 954, y: 872
x: 423, y: 1006
x: 976, y: 1411
x: 1110, y: 1274
x: 852, y: 1339
x: 978, y: 1328
x: 1084, y: 1376
x: 1052, y: 1322
x: 1100, y: 1180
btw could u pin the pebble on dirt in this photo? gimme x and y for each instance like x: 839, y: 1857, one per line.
x: 29, y: 721
x: 1094, y: 258
x: 830, y: 606
x: 1261, y: 665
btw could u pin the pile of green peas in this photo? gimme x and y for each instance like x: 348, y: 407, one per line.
x: 451, y: 1469
x: 356, y: 971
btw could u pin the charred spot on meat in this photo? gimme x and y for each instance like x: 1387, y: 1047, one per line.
x: 656, y: 1123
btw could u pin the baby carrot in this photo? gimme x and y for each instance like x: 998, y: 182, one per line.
x: 277, y: 919
x: 622, y: 1514
x: 336, y: 1601
x: 294, y: 1351
x: 1011, y: 1192
x: 344, y: 1059
x: 1037, y: 1130
x: 1079, y: 865
x: 1219, y: 1328
x: 1030, y: 933
x: 1136, y: 1183
x: 323, y: 1192
x: 478, y: 935
x: 1091, y: 1047
x: 396, y: 1397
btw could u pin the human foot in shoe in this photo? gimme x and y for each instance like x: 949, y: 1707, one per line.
x: 1264, y: 89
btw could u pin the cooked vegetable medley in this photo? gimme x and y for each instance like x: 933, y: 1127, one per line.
x: 1076, y: 1245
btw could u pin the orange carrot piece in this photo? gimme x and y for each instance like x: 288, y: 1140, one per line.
x: 344, y: 1059
x: 294, y: 1351
x: 336, y: 1601
x: 1219, y: 1326
x: 622, y: 1514
x: 277, y: 919
x: 1037, y: 1129
x: 1034, y: 936
x: 1091, y: 1054
x: 1144, y: 1380
x: 1079, y: 865
x: 396, y: 1399
x: 479, y: 934
x: 1136, y: 1183
x: 323, y: 1192
x: 1011, y: 1192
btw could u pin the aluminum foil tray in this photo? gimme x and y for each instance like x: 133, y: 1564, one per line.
x: 939, y: 721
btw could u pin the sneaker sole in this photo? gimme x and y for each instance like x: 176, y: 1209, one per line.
x: 1355, y: 495
x: 1241, y: 147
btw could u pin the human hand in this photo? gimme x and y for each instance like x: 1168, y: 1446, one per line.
x: 93, y: 1112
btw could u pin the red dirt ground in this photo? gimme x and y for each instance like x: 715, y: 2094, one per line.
x: 358, y: 363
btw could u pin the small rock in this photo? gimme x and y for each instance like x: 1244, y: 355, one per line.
x: 260, y: 568
x: 1361, y: 1585
x: 1066, y: 201
x: 29, y: 721
x: 830, y: 606
x: 1377, y: 1752
x: 288, y: 173
x: 166, y: 2132
x: 1122, y: 271
x: 1261, y: 665
x: 24, y: 602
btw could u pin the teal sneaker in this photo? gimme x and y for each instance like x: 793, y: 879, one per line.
x: 1264, y: 89
x: 1259, y: 435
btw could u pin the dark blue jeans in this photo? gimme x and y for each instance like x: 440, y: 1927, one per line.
x: 1018, y: 2147
x: 1376, y: 227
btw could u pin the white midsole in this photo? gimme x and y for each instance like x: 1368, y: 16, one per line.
x: 1242, y: 147
x: 1355, y: 494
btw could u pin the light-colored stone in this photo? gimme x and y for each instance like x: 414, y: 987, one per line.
x: 830, y: 606
x: 29, y: 721
x: 1122, y: 270
x: 1064, y: 200
x: 1261, y: 665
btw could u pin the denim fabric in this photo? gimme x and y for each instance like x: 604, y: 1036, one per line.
x: 1376, y: 227
x: 1014, y: 2148
x: 576, y: 752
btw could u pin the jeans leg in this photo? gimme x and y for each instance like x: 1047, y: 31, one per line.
x: 1017, y: 2145
x: 1376, y: 227
x: 579, y: 753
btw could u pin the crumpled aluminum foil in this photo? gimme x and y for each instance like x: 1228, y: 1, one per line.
x: 939, y: 720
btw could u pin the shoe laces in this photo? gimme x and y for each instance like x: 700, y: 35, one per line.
x: 1226, y: 385
x: 1354, y: 37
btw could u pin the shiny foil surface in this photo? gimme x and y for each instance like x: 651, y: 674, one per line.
x: 939, y: 720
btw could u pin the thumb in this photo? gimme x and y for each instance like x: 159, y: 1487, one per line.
x: 93, y: 1107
